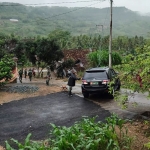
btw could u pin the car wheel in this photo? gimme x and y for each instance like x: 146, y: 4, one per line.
x: 86, y: 95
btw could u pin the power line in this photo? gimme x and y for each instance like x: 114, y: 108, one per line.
x: 106, y: 17
x: 65, y: 13
x: 48, y: 3
x: 103, y: 25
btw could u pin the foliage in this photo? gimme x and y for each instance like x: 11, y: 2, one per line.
x: 62, y: 37
x: 31, y: 20
x: 101, y: 58
x: 6, y: 66
x: 134, y: 74
x: 68, y: 63
x: 84, y: 135
x: 41, y: 52
x: 134, y: 66
x: 19, y: 51
x: 27, y: 144
x: 30, y: 50
x: 26, y: 49
x: 147, y: 145
x: 48, y: 51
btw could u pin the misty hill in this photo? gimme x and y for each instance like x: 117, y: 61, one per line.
x: 33, y: 21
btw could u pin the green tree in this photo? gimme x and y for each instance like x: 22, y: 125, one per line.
x: 61, y: 37
x: 47, y: 51
x: 6, y: 66
x: 19, y: 52
x: 135, y: 73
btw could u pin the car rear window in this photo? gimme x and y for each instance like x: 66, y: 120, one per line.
x: 96, y: 74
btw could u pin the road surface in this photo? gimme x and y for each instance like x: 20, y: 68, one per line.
x: 34, y: 115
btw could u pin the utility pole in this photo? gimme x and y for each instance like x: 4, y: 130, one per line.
x: 110, y: 36
x: 100, y: 43
x: 101, y: 36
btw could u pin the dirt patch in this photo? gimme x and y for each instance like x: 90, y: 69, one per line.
x: 1, y: 148
x: 55, y: 86
x: 43, y: 90
x: 138, y: 130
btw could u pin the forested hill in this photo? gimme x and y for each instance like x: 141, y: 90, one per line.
x: 33, y: 21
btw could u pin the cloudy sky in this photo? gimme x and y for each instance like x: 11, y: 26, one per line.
x: 135, y: 5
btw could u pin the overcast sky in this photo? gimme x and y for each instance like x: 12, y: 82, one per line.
x: 135, y: 5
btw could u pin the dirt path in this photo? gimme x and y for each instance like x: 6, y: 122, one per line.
x: 55, y: 86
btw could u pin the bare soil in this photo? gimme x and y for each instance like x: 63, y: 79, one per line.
x: 55, y: 86
x: 139, y: 129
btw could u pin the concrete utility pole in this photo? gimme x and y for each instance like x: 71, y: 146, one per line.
x: 100, y: 43
x: 101, y: 36
x: 110, y: 36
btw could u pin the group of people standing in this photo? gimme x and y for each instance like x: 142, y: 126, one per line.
x: 72, y: 77
x: 30, y: 73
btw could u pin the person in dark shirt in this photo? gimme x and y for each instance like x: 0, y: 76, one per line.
x: 48, y: 76
x: 71, y: 81
x: 25, y: 73
x: 20, y: 75
x: 30, y: 74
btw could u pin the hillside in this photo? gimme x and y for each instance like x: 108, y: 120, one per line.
x: 33, y: 21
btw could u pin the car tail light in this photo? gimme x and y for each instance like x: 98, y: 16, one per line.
x: 84, y: 82
x: 105, y: 81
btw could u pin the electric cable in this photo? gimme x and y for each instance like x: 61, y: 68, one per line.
x: 36, y: 4
x: 79, y: 8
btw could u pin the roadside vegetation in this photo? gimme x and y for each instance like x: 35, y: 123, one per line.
x: 87, y: 134
x: 130, y: 58
x: 6, y: 66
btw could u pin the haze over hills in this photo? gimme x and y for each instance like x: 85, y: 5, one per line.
x: 33, y: 21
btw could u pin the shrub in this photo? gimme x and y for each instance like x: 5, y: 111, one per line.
x: 101, y: 58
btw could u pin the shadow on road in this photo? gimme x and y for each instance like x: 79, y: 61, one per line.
x: 101, y: 97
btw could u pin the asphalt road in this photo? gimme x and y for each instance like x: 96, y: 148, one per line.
x: 34, y: 115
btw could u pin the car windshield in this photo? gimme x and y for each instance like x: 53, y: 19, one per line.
x: 97, y: 75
